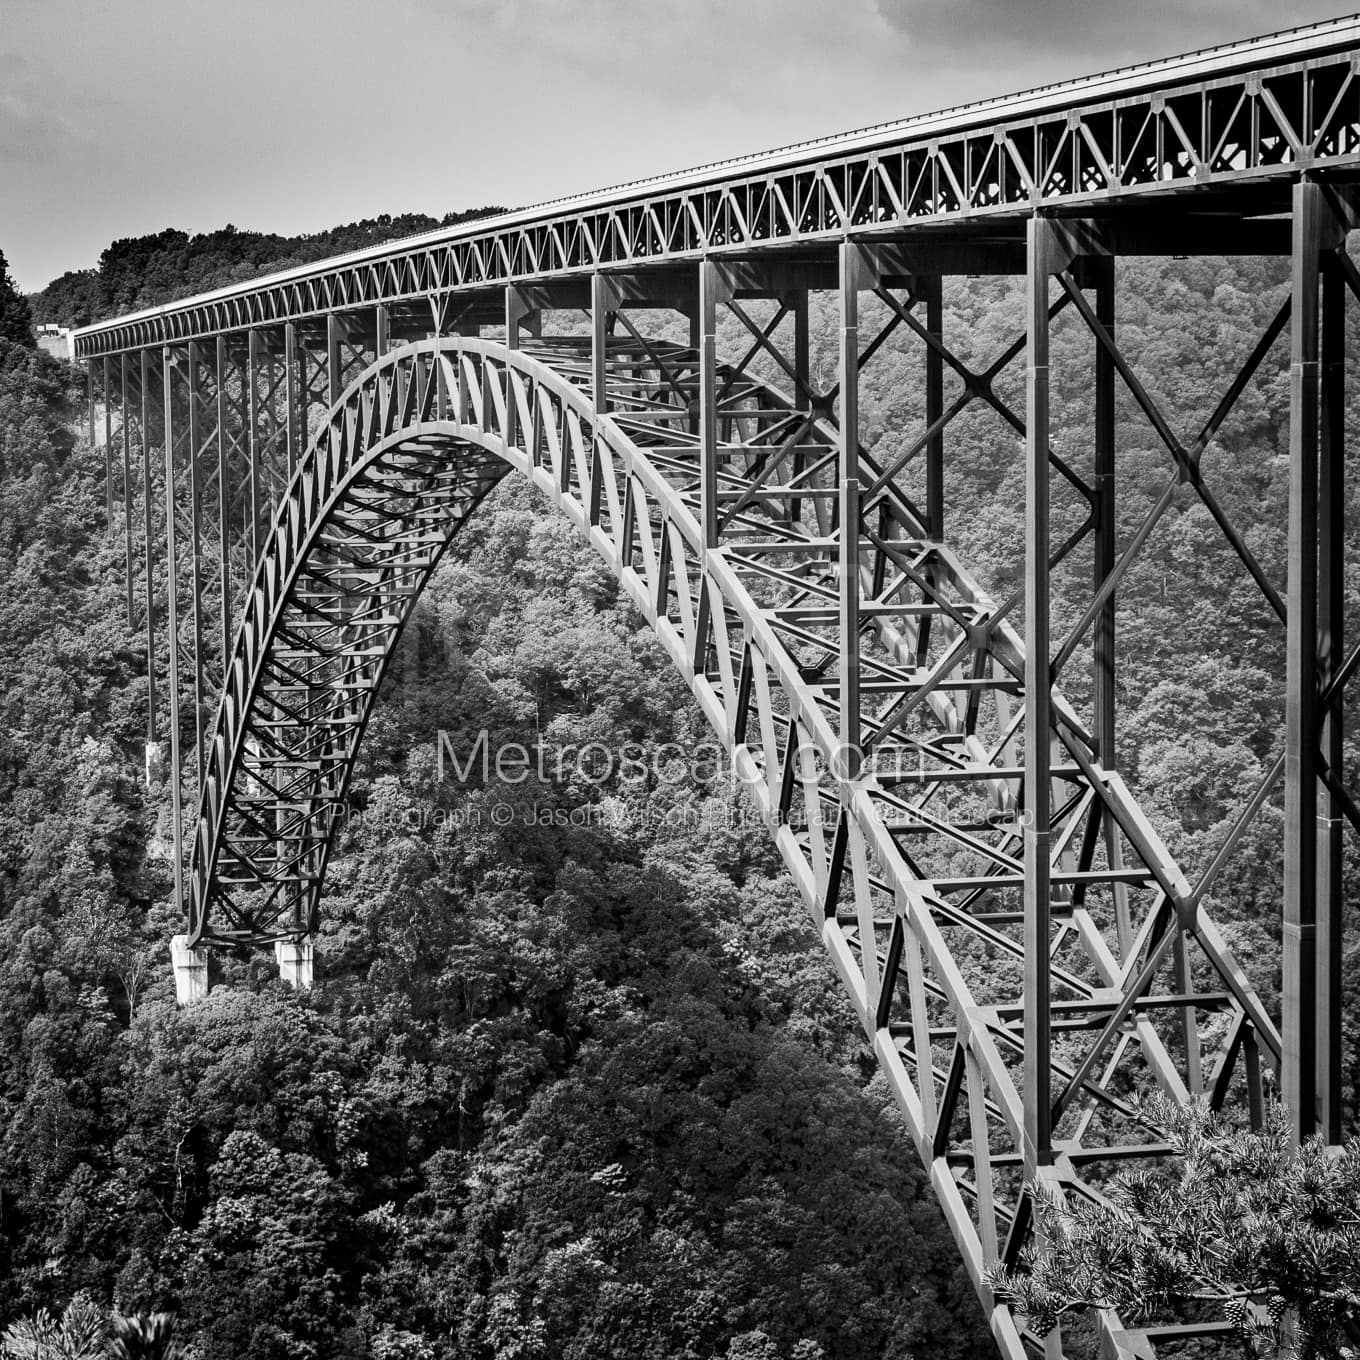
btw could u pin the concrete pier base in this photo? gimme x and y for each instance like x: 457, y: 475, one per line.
x: 191, y: 971
x: 295, y: 960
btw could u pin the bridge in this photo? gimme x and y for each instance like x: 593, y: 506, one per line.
x: 288, y: 458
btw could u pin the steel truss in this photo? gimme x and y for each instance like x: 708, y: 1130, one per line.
x: 1229, y: 121
x: 1024, y: 954
x: 1022, y: 965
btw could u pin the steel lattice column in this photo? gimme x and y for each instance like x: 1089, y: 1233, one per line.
x: 852, y: 265
x: 1313, y: 793
x: 174, y: 772
x: 149, y: 545
x: 1042, y: 262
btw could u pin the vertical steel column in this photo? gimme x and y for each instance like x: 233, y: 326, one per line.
x: 196, y: 550
x: 710, y: 286
x: 107, y: 388
x: 802, y: 347
x: 108, y: 461
x: 333, y: 384
x: 127, y: 485
x: 1038, y: 1096
x: 603, y: 300
x: 802, y: 380
x: 518, y: 308
x: 292, y: 425
x: 223, y: 501
x: 1301, y: 1000
x: 149, y: 544
x: 931, y: 291
x: 172, y: 620
x: 1103, y: 660
x: 1331, y: 656
x: 254, y: 450
x: 382, y: 330
x: 696, y: 343
x: 852, y: 268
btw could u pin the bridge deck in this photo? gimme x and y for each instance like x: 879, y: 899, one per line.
x: 1202, y: 126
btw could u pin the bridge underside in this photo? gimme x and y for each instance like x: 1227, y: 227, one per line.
x: 1023, y: 952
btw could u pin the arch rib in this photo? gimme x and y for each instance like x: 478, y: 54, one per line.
x: 907, y: 890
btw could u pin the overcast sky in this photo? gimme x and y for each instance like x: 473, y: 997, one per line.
x: 123, y: 117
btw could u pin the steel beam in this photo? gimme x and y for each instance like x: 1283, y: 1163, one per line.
x: 1106, y: 525
x: 855, y: 274
x: 803, y: 395
x: 1300, y: 984
x: 522, y: 316
x: 382, y: 330
x: 1331, y: 607
x: 930, y: 292
x: 713, y: 288
x: 603, y: 302
x: 125, y: 405
x: 223, y: 495
x: 94, y: 443
x: 196, y: 547
x: 148, y: 542
x: 172, y: 620
x: 1038, y: 1087
x: 1313, y: 896
x: 254, y: 442
x: 295, y: 425
x: 106, y: 388
x: 523, y: 311
x: 334, y: 373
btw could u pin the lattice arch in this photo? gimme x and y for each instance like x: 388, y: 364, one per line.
x: 919, y: 906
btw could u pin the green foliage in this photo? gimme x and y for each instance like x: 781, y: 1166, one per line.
x: 78, y: 1335
x: 16, y: 317
x: 584, y: 1085
x: 143, y: 271
x: 145, y: 1337
x: 1268, y: 1231
x: 564, y: 1089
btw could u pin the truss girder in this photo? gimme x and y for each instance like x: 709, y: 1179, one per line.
x: 1250, y: 115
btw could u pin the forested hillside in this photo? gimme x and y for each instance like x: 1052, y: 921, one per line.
x: 586, y: 1090
x: 577, y: 1089
x: 143, y: 271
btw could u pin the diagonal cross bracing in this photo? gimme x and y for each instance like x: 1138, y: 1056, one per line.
x: 912, y: 872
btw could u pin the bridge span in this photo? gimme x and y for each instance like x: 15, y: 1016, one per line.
x: 288, y: 458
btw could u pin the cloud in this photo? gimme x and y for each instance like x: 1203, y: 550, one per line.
x: 691, y: 52
x: 47, y: 117
x: 965, y: 33
x: 34, y: 125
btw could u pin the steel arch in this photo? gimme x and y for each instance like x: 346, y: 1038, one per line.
x: 931, y: 961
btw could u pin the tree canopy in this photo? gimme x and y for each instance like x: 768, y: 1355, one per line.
x: 1267, y: 1232
x: 585, y: 1086
x: 16, y: 316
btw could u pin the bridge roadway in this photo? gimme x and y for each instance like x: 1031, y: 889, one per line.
x: 288, y: 458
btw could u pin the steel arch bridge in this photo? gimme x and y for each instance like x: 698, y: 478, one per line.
x: 288, y: 458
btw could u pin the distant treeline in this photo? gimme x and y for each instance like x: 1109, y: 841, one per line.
x: 144, y: 271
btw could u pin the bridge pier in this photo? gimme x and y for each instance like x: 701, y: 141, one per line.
x: 1316, y: 799
x: 191, y: 971
x: 296, y: 960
